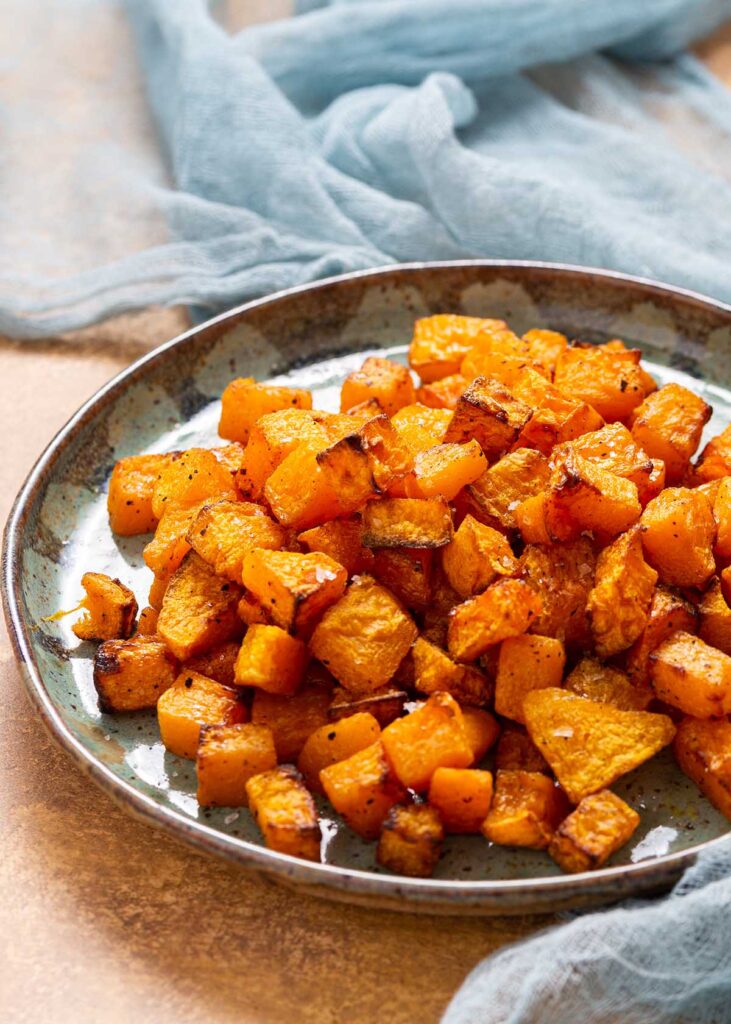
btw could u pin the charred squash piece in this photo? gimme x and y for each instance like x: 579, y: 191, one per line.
x: 597, y: 828
x: 363, y: 789
x: 285, y: 812
x: 199, y: 610
x: 227, y: 757
x: 109, y: 608
x: 411, y: 840
x: 130, y: 675
x: 295, y: 589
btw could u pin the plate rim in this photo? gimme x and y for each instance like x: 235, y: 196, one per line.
x: 327, y: 879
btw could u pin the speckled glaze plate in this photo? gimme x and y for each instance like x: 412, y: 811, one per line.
x: 313, y: 336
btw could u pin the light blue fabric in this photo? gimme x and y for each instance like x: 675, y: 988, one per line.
x: 363, y: 133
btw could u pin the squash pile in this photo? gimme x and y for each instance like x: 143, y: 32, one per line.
x: 518, y: 556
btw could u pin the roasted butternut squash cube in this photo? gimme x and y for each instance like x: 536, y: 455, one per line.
x: 481, y: 729
x: 614, y: 449
x: 607, y: 685
x: 669, y: 612
x: 251, y: 612
x: 384, y: 705
x: 299, y: 493
x: 597, y: 828
x: 546, y: 347
x: 668, y: 424
x: 476, y: 557
x: 218, y: 663
x: 562, y: 576
x: 389, y: 456
x: 619, y: 602
x: 295, y: 589
x: 131, y: 487
x: 444, y: 393
x: 722, y: 516
x: 411, y: 840
x: 494, y: 497
x: 715, y: 618
x: 191, y: 702
x: 346, y: 468
x: 431, y: 737
x: 505, y: 367
x: 169, y: 546
x: 421, y: 427
x: 244, y: 401
x: 590, y: 745
x: 488, y: 412
x: 363, y: 789
x: 109, y: 609
x: 335, y: 742
x: 441, y: 342
x: 272, y: 660
x: 593, y: 498
x: 225, y: 532
x: 715, y: 459
x: 382, y: 379
x: 703, y: 750
x: 444, y: 470
x: 271, y: 439
x: 530, y: 518
x: 678, y: 534
x: 607, y: 380
x: 227, y: 757
x: 199, y: 610
x: 130, y: 675
x: 285, y: 812
x: 435, y: 671
x: 292, y: 718
x: 407, y: 522
x: 193, y: 476
x: 462, y: 798
x: 525, y: 811
x: 147, y: 622
x: 689, y: 674
x: 406, y: 572
x: 516, y: 751
x: 556, y: 417
x: 341, y: 540
x: 363, y: 638
x: 526, y: 663
x: 231, y: 456
x: 507, y: 608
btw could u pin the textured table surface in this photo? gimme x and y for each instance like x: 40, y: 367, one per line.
x: 103, y: 919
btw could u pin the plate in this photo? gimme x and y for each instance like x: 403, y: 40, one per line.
x: 313, y: 336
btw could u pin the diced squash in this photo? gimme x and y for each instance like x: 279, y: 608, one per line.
x: 251, y: 612
x: 109, y: 609
x: 526, y: 663
x: 556, y: 417
x: 130, y: 675
x: 722, y: 516
x: 597, y: 828
x: 619, y: 603
x: 227, y: 757
x: 191, y: 702
x: 223, y: 533
x: 199, y: 609
x: 131, y: 486
x: 507, y: 608
x: 363, y: 789
x: 589, y: 745
x: 388, y: 382
x: 421, y: 427
x: 431, y: 737
x: 335, y: 742
x: 668, y: 612
x: 546, y: 347
x: 703, y: 751
x: 272, y: 660
x: 678, y: 533
x: 690, y: 675
x: 525, y: 811
x: 231, y: 456
x: 285, y: 812
x: 218, y: 663
x: 481, y: 729
x: 715, y: 459
x: 346, y: 468
x: 407, y: 522
x: 194, y: 476
x: 607, y: 685
x: 516, y: 751
x: 406, y: 572
x: 363, y: 637
x: 295, y: 589
x: 147, y: 622
x: 495, y: 496
x: 341, y: 540
x: 530, y: 518
x: 299, y: 492
x: 384, y: 705
x: 444, y: 393
x: 462, y: 798
x: 292, y: 719
x: 441, y: 342
x: 476, y: 556
x: 715, y: 618
x: 505, y: 367
x: 614, y: 449
x: 389, y: 456
x: 244, y: 401
x: 593, y: 498
x: 444, y: 470
x: 435, y: 671
x: 169, y: 546
x: 668, y: 424
x: 411, y: 840
x: 562, y: 576
x: 606, y: 380
x: 271, y: 439
x: 488, y: 412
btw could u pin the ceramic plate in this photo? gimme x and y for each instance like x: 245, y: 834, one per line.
x: 312, y: 337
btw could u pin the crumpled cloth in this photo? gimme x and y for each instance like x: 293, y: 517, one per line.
x: 368, y: 132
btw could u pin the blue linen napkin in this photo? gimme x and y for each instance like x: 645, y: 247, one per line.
x: 368, y: 132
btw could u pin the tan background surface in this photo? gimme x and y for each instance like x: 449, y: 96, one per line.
x: 105, y: 920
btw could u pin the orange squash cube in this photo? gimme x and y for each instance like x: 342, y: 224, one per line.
x: 546, y: 347
x: 475, y: 557
x: 341, y: 540
x: 703, y: 750
x: 406, y: 572
x: 530, y: 518
x: 614, y: 449
x: 131, y: 487
x: 272, y: 660
x: 526, y: 663
x: 292, y: 718
x: 610, y: 381
x: 244, y: 401
x: 293, y: 588
x: 441, y: 342
x: 363, y: 789
x: 435, y: 671
x: 299, y: 492
x: 507, y: 608
x: 494, y: 497
x: 251, y: 612
x: 505, y: 367
x: 525, y: 811
x: 169, y: 546
x: 431, y: 737
x: 199, y: 610
x: 444, y: 393
x: 481, y: 729
x: 607, y: 685
x: 271, y: 439
x: 336, y: 742
x: 668, y: 424
x: 227, y: 757
x: 678, y: 534
x: 109, y: 609
x: 715, y: 618
x: 669, y: 612
x: 597, y: 828
x: 462, y: 798
x: 390, y: 458
x: 130, y: 675
x: 593, y: 498
x: 444, y: 470
x: 346, y: 468
x: 562, y: 576
x: 218, y: 663
x: 690, y: 675
x: 488, y: 412
x: 225, y: 532
x: 147, y: 622
x: 193, y: 476
x: 285, y: 812
x: 407, y: 522
x: 411, y: 840
x: 421, y: 427
x: 191, y: 702
x: 516, y: 751
x: 715, y: 459
x: 619, y: 602
x: 382, y: 379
